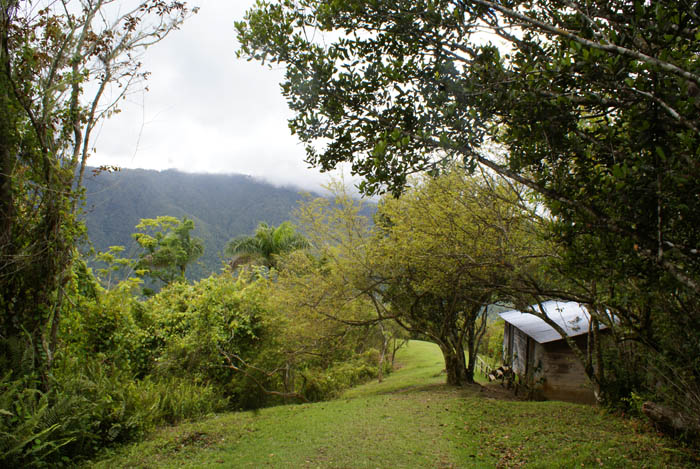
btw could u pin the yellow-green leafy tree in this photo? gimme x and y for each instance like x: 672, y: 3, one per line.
x: 431, y: 261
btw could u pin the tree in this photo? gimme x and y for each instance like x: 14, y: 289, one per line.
x: 594, y: 105
x: 63, y: 69
x: 448, y: 248
x: 113, y: 264
x: 431, y: 262
x: 265, y: 245
x: 168, y: 247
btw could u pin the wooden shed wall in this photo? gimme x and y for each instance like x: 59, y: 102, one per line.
x: 554, y: 366
x: 565, y: 378
x: 522, y: 352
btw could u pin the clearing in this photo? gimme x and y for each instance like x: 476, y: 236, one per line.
x: 410, y: 420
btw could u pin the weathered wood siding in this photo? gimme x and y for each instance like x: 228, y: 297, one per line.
x: 564, y: 376
x: 556, y: 371
x: 522, y: 352
x: 519, y: 362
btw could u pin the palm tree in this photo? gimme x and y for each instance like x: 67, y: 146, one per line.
x: 265, y: 245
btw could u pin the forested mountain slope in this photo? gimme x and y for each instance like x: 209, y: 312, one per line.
x: 222, y: 207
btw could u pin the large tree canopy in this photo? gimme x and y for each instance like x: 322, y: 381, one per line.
x: 594, y: 103
x: 444, y: 251
x: 431, y: 262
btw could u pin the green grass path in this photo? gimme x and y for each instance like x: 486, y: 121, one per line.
x: 410, y: 420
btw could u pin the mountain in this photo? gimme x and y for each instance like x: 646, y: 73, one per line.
x: 222, y: 207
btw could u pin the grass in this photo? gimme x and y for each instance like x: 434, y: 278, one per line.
x: 419, y: 365
x: 410, y: 420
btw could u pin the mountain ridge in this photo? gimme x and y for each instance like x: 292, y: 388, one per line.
x: 222, y: 206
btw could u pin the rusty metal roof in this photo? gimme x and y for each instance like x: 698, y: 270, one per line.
x: 569, y: 315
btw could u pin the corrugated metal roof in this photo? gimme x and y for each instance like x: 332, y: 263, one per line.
x: 569, y: 315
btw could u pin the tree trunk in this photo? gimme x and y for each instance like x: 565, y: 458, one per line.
x: 474, y: 336
x: 471, y: 365
x: 394, y: 348
x: 455, y: 365
x: 382, y: 353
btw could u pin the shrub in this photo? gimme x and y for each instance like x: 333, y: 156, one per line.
x: 91, y: 405
x: 196, y: 325
x: 321, y: 384
x: 29, y: 432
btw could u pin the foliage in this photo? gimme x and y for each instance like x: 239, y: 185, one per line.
x: 492, y: 344
x: 126, y: 366
x: 91, y: 405
x: 431, y: 262
x: 113, y: 264
x: 107, y: 327
x: 241, y: 337
x: 167, y: 247
x: 449, y: 247
x: 51, y: 60
x: 605, y: 129
x: 265, y: 245
x: 594, y: 105
x: 102, y: 390
x: 27, y: 434
x: 330, y: 382
x: 320, y: 291
x: 191, y: 326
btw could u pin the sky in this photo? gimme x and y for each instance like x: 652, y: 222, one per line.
x: 207, y: 111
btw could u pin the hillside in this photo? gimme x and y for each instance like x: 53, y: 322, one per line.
x: 222, y: 207
x: 410, y: 420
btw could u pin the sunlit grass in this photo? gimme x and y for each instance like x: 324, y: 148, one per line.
x: 409, y: 420
x: 418, y: 364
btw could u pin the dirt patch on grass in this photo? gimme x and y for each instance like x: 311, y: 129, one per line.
x: 191, y: 439
x: 488, y: 391
x: 496, y: 391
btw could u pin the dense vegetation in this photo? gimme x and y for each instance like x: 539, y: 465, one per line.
x: 593, y: 106
x: 125, y: 365
x: 563, y: 166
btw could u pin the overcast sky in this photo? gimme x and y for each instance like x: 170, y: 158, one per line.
x: 207, y: 111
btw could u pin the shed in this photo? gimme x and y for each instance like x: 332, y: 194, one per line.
x: 538, y: 353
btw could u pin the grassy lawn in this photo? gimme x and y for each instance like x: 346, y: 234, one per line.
x: 409, y: 420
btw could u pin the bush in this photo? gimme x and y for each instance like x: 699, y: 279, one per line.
x: 322, y: 384
x: 104, y: 325
x: 195, y: 326
x: 29, y: 432
x: 91, y: 406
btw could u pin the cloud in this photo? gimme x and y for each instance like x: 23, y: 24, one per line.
x: 206, y: 110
